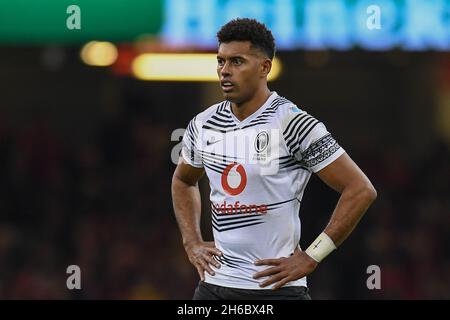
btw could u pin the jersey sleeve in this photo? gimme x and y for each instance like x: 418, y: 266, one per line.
x: 309, y: 141
x: 189, y: 150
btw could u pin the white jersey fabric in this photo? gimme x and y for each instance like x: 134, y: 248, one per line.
x: 258, y: 169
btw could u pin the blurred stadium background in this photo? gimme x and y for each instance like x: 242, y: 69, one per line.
x: 86, y: 142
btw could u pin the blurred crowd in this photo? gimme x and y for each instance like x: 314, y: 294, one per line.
x: 105, y: 205
x: 409, y: 226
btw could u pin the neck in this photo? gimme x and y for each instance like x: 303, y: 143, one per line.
x: 245, y: 109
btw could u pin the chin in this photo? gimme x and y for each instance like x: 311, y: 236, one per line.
x: 227, y: 96
x: 230, y: 97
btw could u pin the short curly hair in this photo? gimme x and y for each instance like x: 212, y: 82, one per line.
x: 245, y: 29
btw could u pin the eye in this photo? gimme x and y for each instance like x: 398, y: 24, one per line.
x: 220, y: 62
x: 237, y: 61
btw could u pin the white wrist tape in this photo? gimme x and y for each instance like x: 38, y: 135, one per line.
x: 321, y: 247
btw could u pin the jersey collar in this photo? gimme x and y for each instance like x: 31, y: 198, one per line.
x: 268, y: 102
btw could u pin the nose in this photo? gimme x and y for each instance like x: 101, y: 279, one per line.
x: 224, y: 70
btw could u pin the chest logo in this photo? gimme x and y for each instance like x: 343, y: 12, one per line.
x: 234, y: 179
x: 261, y: 141
x: 212, y: 141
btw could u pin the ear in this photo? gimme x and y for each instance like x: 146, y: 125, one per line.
x: 266, y: 66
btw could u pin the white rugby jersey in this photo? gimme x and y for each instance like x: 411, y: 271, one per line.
x: 258, y: 169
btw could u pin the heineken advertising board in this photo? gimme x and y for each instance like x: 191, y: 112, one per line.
x: 310, y: 24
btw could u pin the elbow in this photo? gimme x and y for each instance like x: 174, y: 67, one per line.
x: 175, y: 178
x: 176, y: 182
x: 363, y: 192
x: 179, y: 181
x: 369, y: 193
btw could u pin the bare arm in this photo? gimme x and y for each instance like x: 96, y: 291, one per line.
x: 187, y: 206
x: 357, y: 194
x: 186, y: 201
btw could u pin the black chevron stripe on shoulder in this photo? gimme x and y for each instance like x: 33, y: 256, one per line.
x: 299, y: 128
x: 304, y: 135
x: 293, y: 122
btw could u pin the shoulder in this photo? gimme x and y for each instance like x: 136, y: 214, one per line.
x: 288, y: 110
x: 298, y: 126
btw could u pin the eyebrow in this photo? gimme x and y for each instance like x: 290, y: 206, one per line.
x: 232, y: 57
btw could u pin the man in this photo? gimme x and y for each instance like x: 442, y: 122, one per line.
x: 259, y: 150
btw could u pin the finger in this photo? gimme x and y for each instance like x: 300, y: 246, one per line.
x: 281, y: 283
x: 272, y: 279
x: 206, y: 267
x: 213, y: 261
x: 269, y: 262
x: 200, y: 272
x: 214, y: 251
x: 266, y: 272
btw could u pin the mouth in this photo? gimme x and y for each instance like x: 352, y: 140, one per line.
x: 227, y: 86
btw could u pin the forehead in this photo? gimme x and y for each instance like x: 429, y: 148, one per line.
x: 236, y: 48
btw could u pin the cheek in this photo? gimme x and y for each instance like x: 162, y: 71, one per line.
x: 250, y: 79
x: 247, y: 76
